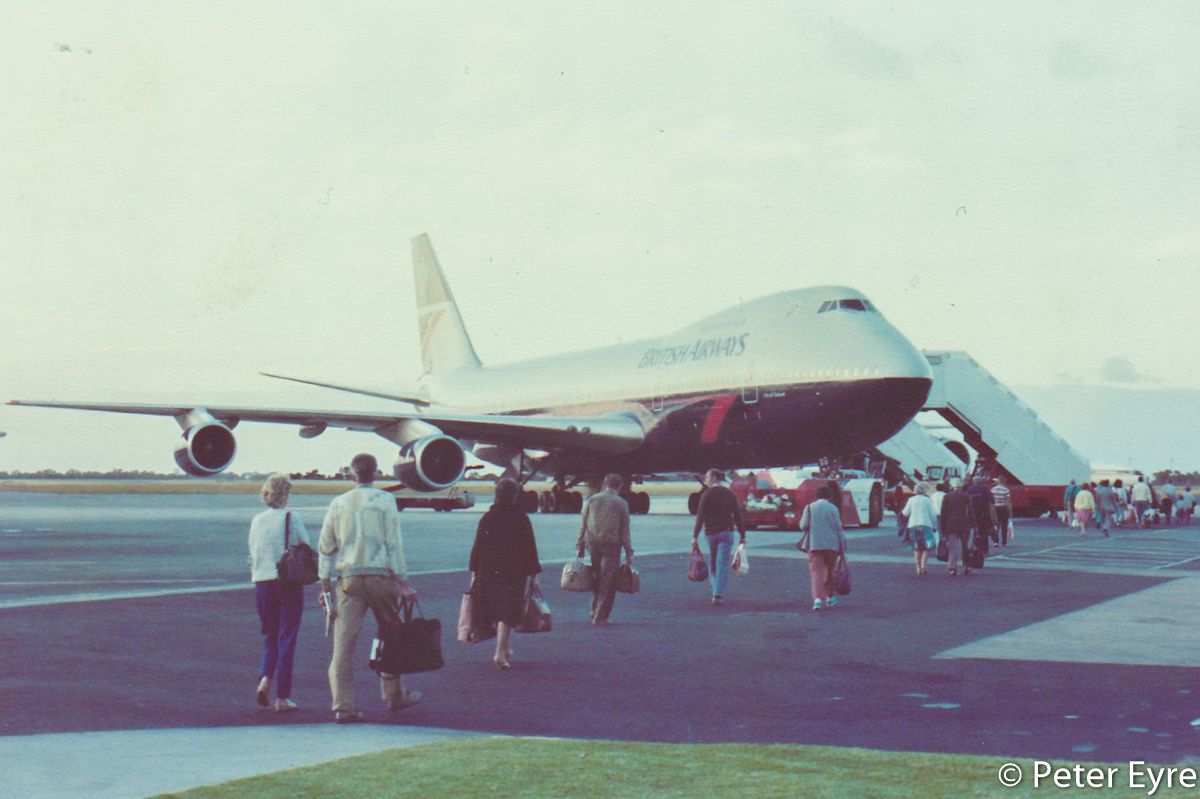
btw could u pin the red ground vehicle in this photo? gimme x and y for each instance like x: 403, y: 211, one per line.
x: 776, y: 497
x: 1029, y: 502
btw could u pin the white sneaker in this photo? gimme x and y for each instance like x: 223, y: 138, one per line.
x: 816, y: 604
x: 831, y: 602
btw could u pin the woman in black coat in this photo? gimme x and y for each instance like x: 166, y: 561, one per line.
x: 503, y: 558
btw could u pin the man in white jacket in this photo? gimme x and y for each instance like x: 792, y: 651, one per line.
x: 361, y: 541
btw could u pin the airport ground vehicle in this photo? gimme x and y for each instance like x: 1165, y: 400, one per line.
x: 896, y: 498
x: 776, y: 497
x: 444, y: 503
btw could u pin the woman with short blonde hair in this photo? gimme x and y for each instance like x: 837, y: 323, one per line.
x: 276, y: 490
x: 279, y: 604
x: 922, y: 526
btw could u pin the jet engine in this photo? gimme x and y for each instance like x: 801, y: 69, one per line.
x: 206, y: 449
x: 431, y: 463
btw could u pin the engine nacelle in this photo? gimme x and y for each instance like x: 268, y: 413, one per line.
x: 206, y: 449
x: 431, y: 463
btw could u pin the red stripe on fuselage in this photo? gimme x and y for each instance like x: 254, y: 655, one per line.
x: 716, y: 415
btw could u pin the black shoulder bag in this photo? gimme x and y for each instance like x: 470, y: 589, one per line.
x: 298, y: 566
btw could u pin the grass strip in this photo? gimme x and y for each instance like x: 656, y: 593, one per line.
x: 565, y: 769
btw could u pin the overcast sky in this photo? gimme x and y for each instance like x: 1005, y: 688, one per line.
x: 194, y: 192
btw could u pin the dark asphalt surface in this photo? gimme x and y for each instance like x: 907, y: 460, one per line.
x: 762, y: 668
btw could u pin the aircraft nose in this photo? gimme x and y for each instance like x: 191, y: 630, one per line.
x: 905, y: 360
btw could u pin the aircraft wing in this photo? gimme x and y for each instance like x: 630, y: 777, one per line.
x: 411, y: 397
x: 610, y: 433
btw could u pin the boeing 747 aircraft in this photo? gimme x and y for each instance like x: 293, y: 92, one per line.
x: 782, y: 380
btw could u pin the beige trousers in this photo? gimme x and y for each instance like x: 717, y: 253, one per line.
x: 355, y: 595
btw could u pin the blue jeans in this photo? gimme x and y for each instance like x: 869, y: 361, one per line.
x: 279, y: 610
x: 720, y: 549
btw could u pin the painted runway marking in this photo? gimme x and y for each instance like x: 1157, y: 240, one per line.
x: 1152, y: 550
x: 33, y: 602
x: 114, y: 581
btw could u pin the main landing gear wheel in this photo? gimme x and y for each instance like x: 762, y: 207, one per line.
x: 875, y: 507
x: 560, y: 502
x: 639, y: 502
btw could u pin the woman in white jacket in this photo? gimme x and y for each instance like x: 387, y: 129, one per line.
x: 922, y: 525
x: 280, y: 605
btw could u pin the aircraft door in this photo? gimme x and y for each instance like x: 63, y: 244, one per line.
x: 749, y: 390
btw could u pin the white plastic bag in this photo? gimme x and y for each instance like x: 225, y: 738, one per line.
x: 741, y: 563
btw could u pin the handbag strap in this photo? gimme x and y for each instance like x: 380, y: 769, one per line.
x: 287, y: 530
x: 406, y: 608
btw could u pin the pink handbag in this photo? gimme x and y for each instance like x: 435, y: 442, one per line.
x: 468, y: 631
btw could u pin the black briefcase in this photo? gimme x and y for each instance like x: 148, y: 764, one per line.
x: 410, y: 645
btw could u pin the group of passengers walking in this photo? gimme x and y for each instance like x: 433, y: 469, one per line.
x: 1108, y: 506
x: 360, y: 541
x: 967, y: 520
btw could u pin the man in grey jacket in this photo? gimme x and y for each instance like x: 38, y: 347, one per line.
x: 361, y: 541
x: 604, y: 531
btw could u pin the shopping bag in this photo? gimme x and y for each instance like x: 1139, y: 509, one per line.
x: 469, y: 631
x: 697, y: 569
x: 628, y: 579
x: 841, y: 576
x: 536, y: 616
x: 1010, y: 530
x: 577, y: 576
x: 741, y: 563
x: 943, y: 550
x: 409, y: 645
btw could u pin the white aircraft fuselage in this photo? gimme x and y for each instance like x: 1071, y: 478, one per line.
x: 772, y: 382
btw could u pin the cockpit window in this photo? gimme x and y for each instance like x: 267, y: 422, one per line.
x: 847, y: 305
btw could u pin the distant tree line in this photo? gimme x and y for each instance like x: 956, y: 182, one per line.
x: 1176, y: 478
x: 124, y: 474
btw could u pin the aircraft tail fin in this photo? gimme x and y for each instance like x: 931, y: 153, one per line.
x: 445, y: 345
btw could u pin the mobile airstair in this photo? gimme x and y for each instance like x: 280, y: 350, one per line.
x: 1003, y: 430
